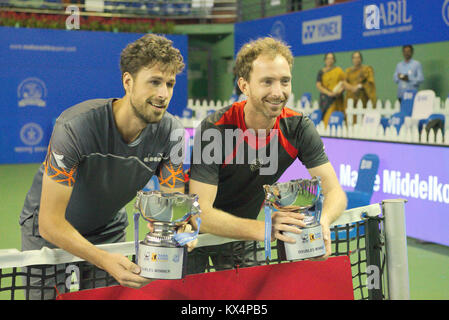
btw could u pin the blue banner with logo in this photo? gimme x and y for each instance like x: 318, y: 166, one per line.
x: 423, y: 180
x: 43, y: 72
x: 355, y: 25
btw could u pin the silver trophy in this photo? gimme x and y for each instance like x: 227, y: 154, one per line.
x: 302, y: 196
x: 163, y: 254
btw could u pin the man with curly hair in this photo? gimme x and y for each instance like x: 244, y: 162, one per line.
x: 266, y: 138
x: 100, y: 154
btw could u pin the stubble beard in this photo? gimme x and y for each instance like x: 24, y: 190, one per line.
x: 263, y: 106
x: 146, y: 118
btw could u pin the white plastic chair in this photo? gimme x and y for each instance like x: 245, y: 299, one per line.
x: 422, y: 107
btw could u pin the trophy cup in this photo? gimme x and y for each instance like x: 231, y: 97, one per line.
x: 163, y: 254
x: 302, y: 196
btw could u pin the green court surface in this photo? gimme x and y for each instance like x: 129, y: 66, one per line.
x: 428, y: 262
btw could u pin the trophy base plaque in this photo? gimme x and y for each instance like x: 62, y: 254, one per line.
x: 309, y: 244
x: 159, y: 262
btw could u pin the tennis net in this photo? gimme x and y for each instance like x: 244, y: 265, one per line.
x: 373, y: 237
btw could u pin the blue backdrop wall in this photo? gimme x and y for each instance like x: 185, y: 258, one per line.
x: 351, y: 26
x: 43, y: 72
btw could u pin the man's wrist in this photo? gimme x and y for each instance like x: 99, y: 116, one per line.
x: 100, y: 258
x: 325, y: 223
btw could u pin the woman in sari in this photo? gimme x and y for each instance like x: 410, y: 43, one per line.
x: 330, y: 83
x: 359, y: 82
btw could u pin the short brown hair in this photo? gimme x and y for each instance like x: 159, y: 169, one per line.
x: 252, y: 50
x: 148, y: 51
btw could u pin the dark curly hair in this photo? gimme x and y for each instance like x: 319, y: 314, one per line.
x: 148, y: 51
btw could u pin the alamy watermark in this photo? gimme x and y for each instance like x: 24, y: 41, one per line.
x: 372, y: 277
x: 372, y: 17
x: 72, y: 282
x: 259, y: 150
x: 73, y: 20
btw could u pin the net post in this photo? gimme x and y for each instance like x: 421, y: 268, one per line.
x: 396, y: 247
x: 373, y: 257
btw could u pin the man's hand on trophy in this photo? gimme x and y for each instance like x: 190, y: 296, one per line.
x: 187, y: 228
x: 150, y: 226
x: 184, y: 228
x: 124, y: 271
x: 290, y: 208
x: 286, y: 221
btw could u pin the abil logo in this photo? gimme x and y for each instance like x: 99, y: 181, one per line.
x: 389, y: 14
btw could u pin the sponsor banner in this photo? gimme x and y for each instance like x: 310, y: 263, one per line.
x: 354, y: 25
x: 43, y: 72
x: 423, y: 180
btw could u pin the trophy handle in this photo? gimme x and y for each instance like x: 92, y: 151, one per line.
x: 267, y: 240
x: 136, y: 235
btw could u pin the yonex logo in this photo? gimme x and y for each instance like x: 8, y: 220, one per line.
x: 309, y: 31
x: 322, y: 30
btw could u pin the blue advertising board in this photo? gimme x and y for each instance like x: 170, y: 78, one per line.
x: 355, y: 25
x: 423, y: 180
x: 43, y: 72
